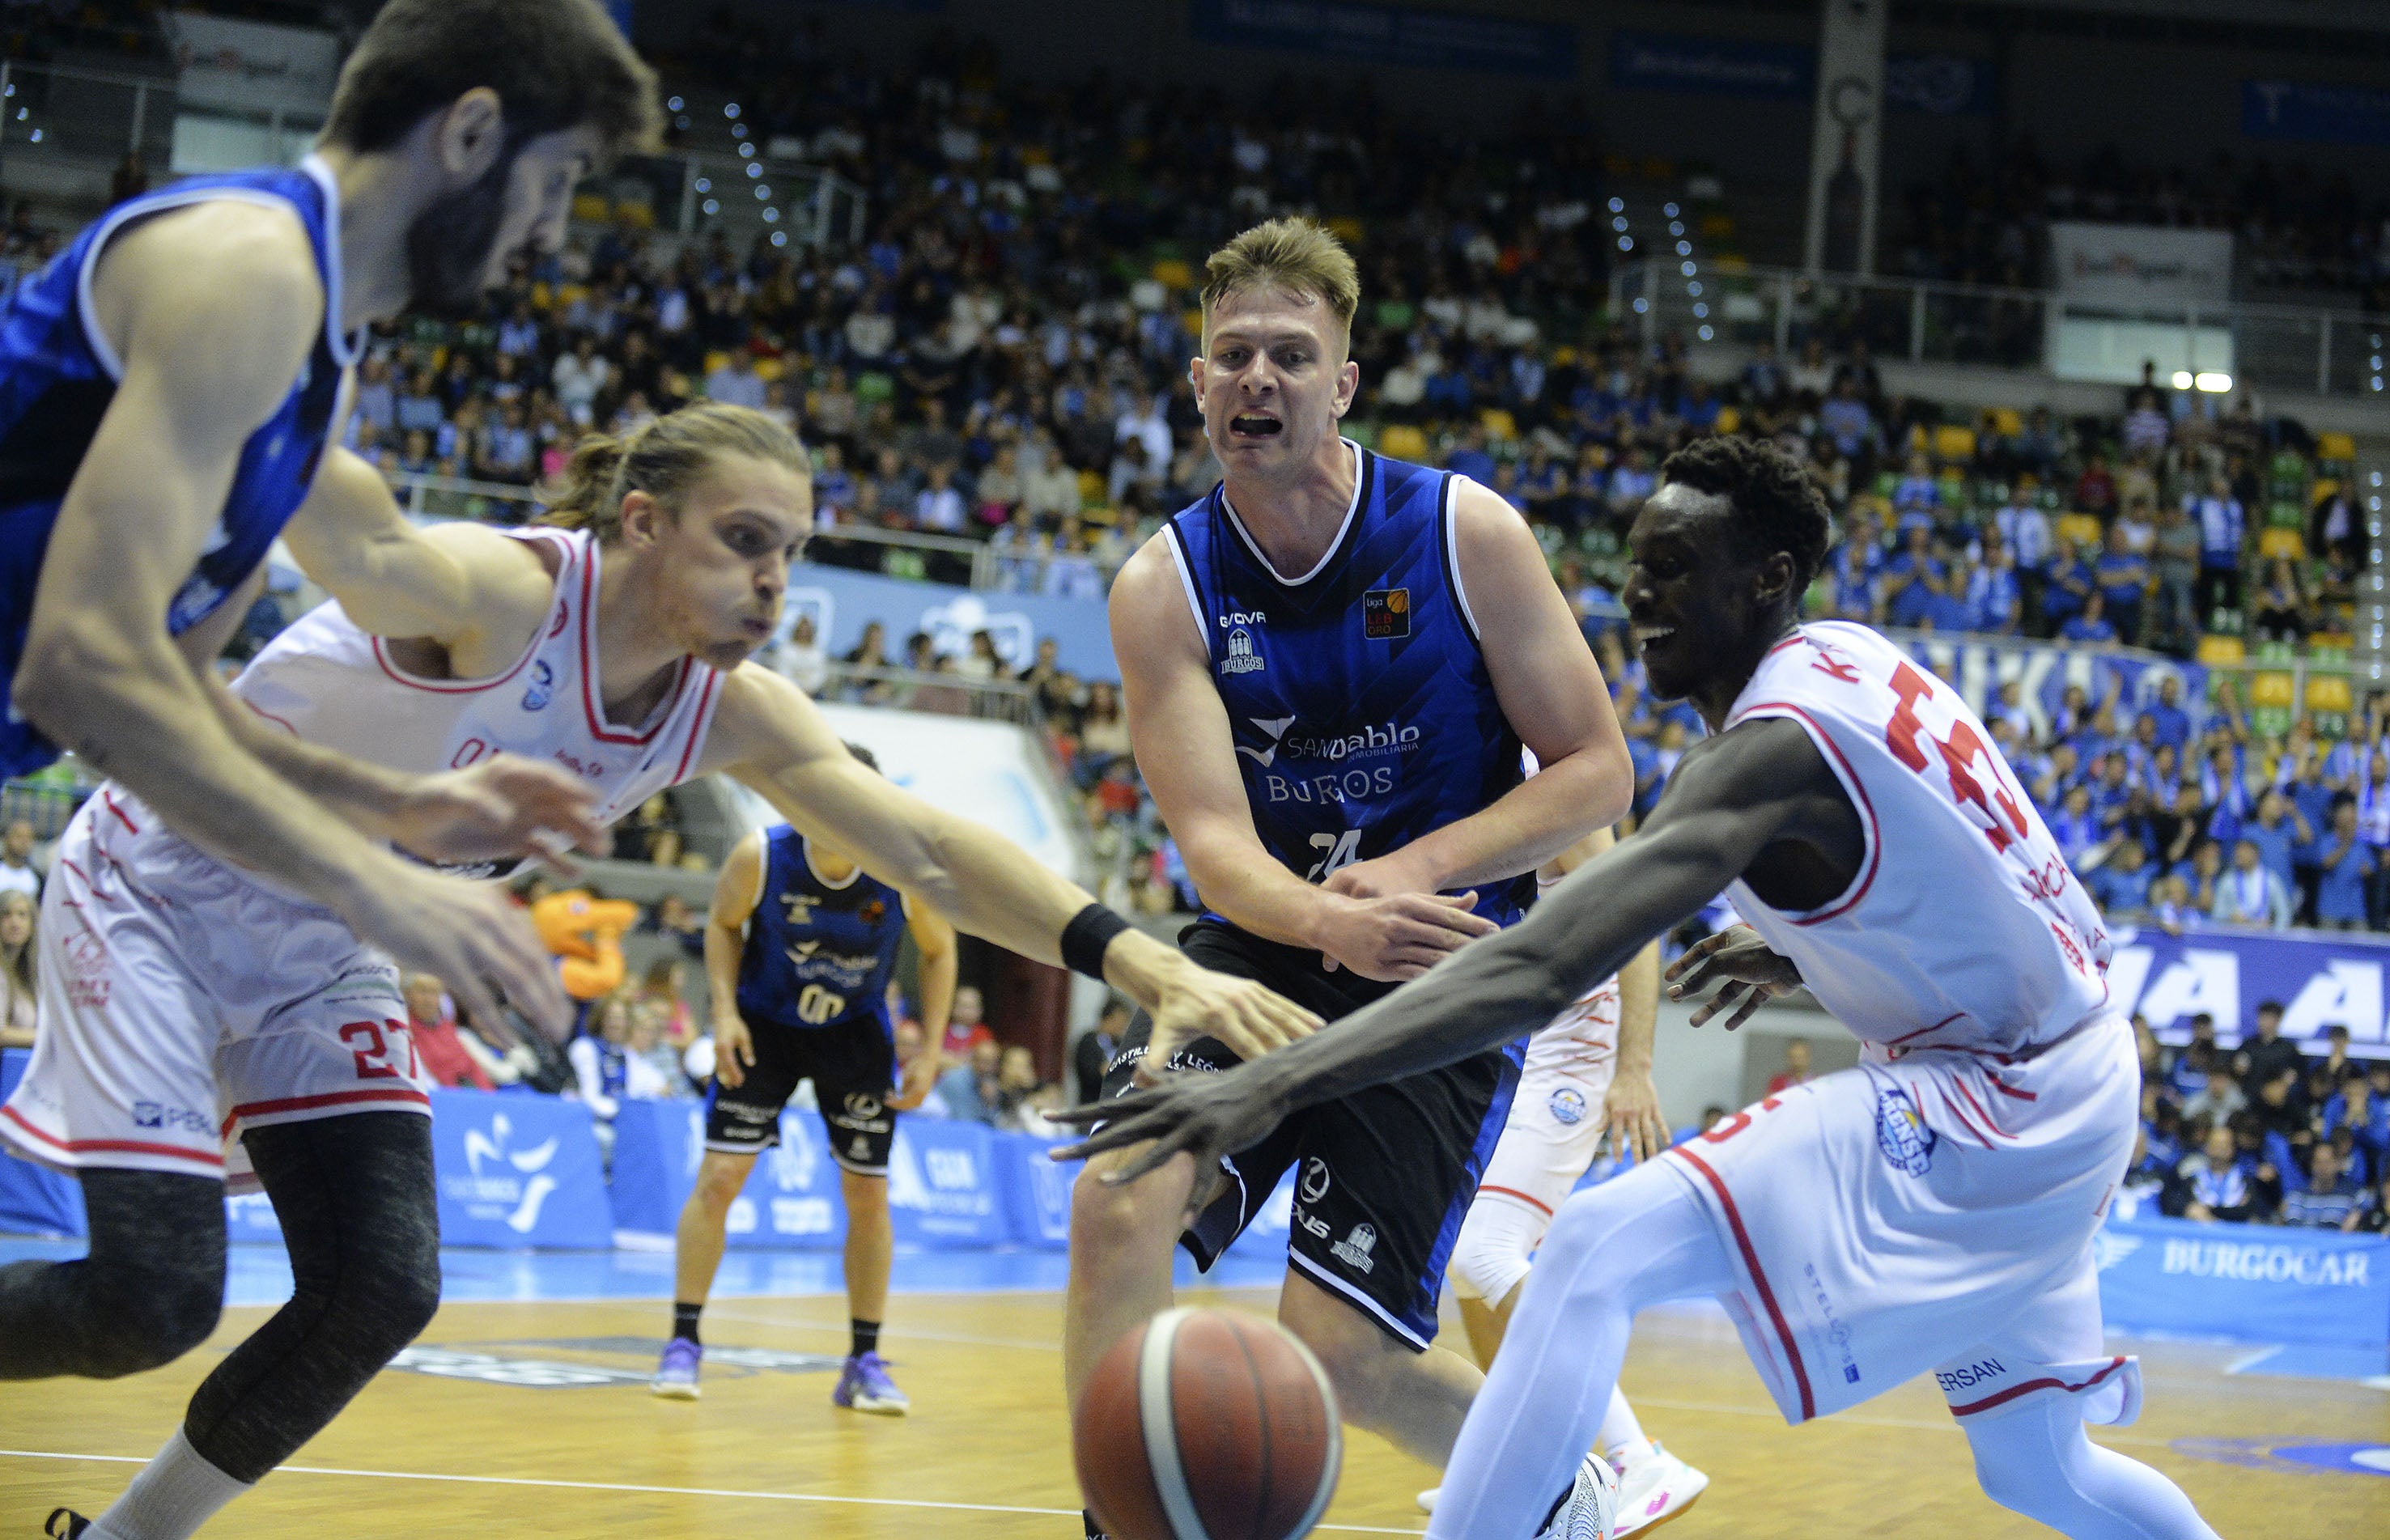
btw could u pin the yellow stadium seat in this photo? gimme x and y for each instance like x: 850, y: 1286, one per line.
x: 1730, y: 420
x: 2325, y: 486
x: 638, y: 215
x: 1192, y: 319
x: 2330, y: 692
x: 769, y: 369
x: 1730, y: 261
x: 2008, y: 420
x: 1344, y: 227
x: 2222, y: 651
x: 1498, y: 423
x: 2335, y: 446
x: 2270, y: 690
x: 1954, y: 443
x: 2081, y: 527
x: 2285, y: 543
x: 1174, y: 273
x: 1716, y: 227
x: 1091, y: 490
x: 589, y: 207
x: 1400, y: 440
x: 713, y: 360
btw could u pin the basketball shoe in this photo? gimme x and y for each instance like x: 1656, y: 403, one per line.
x: 864, y: 1386
x: 1653, y: 1488
x: 677, y: 1375
x: 1592, y: 1506
x: 65, y: 1523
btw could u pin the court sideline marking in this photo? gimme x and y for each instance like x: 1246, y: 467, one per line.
x: 653, y: 1490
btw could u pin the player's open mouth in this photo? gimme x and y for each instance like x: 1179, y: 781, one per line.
x: 1252, y: 425
x: 1648, y: 637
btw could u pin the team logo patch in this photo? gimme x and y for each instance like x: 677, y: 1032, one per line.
x: 1568, y: 1106
x: 858, y: 1105
x: 1314, y: 1180
x: 1901, y: 1133
x: 543, y: 687
x: 873, y: 910
x: 1354, y: 1249
x: 1241, y: 659
x: 1386, y: 612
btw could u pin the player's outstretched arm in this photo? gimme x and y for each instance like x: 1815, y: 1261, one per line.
x: 212, y: 311
x: 1186, y: 750
x: 767, y: 734
x: 1730, y: 798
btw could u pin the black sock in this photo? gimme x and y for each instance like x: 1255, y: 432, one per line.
x: 867, y: 1336
x: 685, y: 1319
x: 1088, y: 1516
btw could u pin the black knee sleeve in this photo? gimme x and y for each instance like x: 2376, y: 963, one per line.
x: 148, y: 1290
x: 357, y: 1205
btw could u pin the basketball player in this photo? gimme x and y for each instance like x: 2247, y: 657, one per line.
x: 1588, y: 1073
x: 167, y: 387
x: 1931, y: 1208
x: 802, y: 994
x: 613, y: 641
x: 1330, y: 665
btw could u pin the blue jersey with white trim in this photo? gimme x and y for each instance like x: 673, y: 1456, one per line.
x: 58, y: 375
x: 819, y: 954
x: 1363, y: 713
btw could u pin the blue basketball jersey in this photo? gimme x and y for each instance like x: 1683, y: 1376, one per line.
x: 1363, y: 714
x: 819, y: 954
x: 58, y: 375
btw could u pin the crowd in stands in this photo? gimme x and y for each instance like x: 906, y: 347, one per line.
x: 2262, y: 1132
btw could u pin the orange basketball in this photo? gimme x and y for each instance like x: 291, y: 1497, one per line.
x: 1207, y: 1425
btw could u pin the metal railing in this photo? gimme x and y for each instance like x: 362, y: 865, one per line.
x: 696, y: 191
x: 86, y: 114
x: 46, y: 804
x: 2333, y: 352
x: 944, y: 694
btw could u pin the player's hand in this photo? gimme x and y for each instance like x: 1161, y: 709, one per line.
x: 1249, y: 1018
x: 506, y: 806
x: 466, y: 934
x: 734, y: 1049
x: 919, y: 1076
x: 1205, y: 1115
x: 1398, y: 936
x: 1633, y: 1113
x: 1746, y: 972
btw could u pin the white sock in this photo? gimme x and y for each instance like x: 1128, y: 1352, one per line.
x: 170, y: 1499
x: 1621, y: 1439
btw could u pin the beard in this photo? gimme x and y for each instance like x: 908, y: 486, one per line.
x: 450, y: 243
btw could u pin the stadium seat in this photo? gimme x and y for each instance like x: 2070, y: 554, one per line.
x: 2008, y: 420
x: 1730, y: 420
x: 2222, y: 651
x: 1400, y: 440
x: 1174, y: 273
x: 2330, y: 692
x: 1954, y: 444
x: 2081, y: 527
x: 1498, y: 423
x: 2279, y: 542
x: 2335, y: 446
x: 589, y: 208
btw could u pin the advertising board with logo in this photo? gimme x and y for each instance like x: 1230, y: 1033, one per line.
x: 790, y: 1200
x: 517, y: 1170
x: 2261, y: 1283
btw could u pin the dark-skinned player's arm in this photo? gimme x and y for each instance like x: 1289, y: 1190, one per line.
x: 736, y: 890
x: 1553, y: 696
x: 212, y: 311
x: 768, y: 736
x: 1730, y: 798
x: 1185, y: 748
x: 941, y: 964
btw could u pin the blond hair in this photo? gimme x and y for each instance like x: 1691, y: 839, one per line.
x: 663, y: 457
x: 1291, y: 254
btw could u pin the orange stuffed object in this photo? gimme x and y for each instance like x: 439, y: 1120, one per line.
x: 586, y: 932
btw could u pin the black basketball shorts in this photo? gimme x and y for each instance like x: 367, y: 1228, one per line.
x: 852, y: 1066
x: 1383, y: 1177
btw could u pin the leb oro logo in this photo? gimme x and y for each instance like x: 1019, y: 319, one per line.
x: 1386, y: 613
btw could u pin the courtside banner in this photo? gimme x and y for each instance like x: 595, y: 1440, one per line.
x: 1981, y: 666
x: 942, y: 1187
x: 789, y: 1201
x: 1037, y: 1190
x: 842, y: 602
x: 2257, y: 1282
x: 33, y: 1200
x: 517, y: 1170
x: 2322, y: 979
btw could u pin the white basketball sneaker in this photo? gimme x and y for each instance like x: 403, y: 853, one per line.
x: 1590, y: 1508
x: 1427, y: 1500
x: 1653, y: 1488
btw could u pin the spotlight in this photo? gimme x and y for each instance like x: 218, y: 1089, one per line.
x: 2213, y: 383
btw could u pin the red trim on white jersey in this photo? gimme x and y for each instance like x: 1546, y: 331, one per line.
x: 116, y: 1147
x: 403, y: 1094
x: 698, y: 720
x: 474, y: 686
x: 1758, y: 1278
x: 589, y: 702
x: 2052, y: 1383
x: 1535, y: 1203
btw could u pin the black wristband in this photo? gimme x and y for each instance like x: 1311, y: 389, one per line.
x: 1083, y: 940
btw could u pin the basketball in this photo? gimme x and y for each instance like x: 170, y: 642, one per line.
x: 1208, y: 1425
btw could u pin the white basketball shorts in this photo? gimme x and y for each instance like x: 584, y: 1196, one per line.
x: 1558, y: 1114
x: 182, y: 1001
x: 1933, y: 1212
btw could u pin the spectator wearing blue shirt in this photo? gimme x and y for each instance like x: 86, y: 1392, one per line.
x: 2224, y: 787
x: 1846, y: 421
x: 2187, y: 1076
x: 1917, y: 491
x: 2076, y: 828
x: 2343, y: 872
x: 2124, y: 581
x: 1468, y: 458
x: 2276, y: 831
x: 2217, y: 1181
x: 2091, y: 627
x: 2173, y: 722
x: 1631, y: 482
x: 2069, y: 587
x: 2222, y: 528
x: 1995, y: 598
x: 2329, y: 1199
x: 1949, y: 611
x: 2356, y: 1109
x: 1911, y: 580
x: 2120, y: 885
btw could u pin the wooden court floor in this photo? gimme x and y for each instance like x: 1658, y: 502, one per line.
x: 468, y: 1449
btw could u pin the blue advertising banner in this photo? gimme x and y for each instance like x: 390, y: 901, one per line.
x: 33, y: 1200
x: 1948, y: 85
x: 2323, y: 979
x: 2315, y: 113
x: 843, y: 602
x: 2264, y: 1284
x: 1981, y: 666
x: 1388, y: 34
x: 943, y: 1184
x: 1711, y: 66
x: 789, y: 1201
x: 1037, y: 1190
x: 517, y: 1170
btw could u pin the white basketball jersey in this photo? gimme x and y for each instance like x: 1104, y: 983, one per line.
x: 1964, y: 927
x: 332, y: 682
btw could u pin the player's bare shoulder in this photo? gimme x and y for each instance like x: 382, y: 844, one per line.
x: 228, y: 280
x: 1149, y: 604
